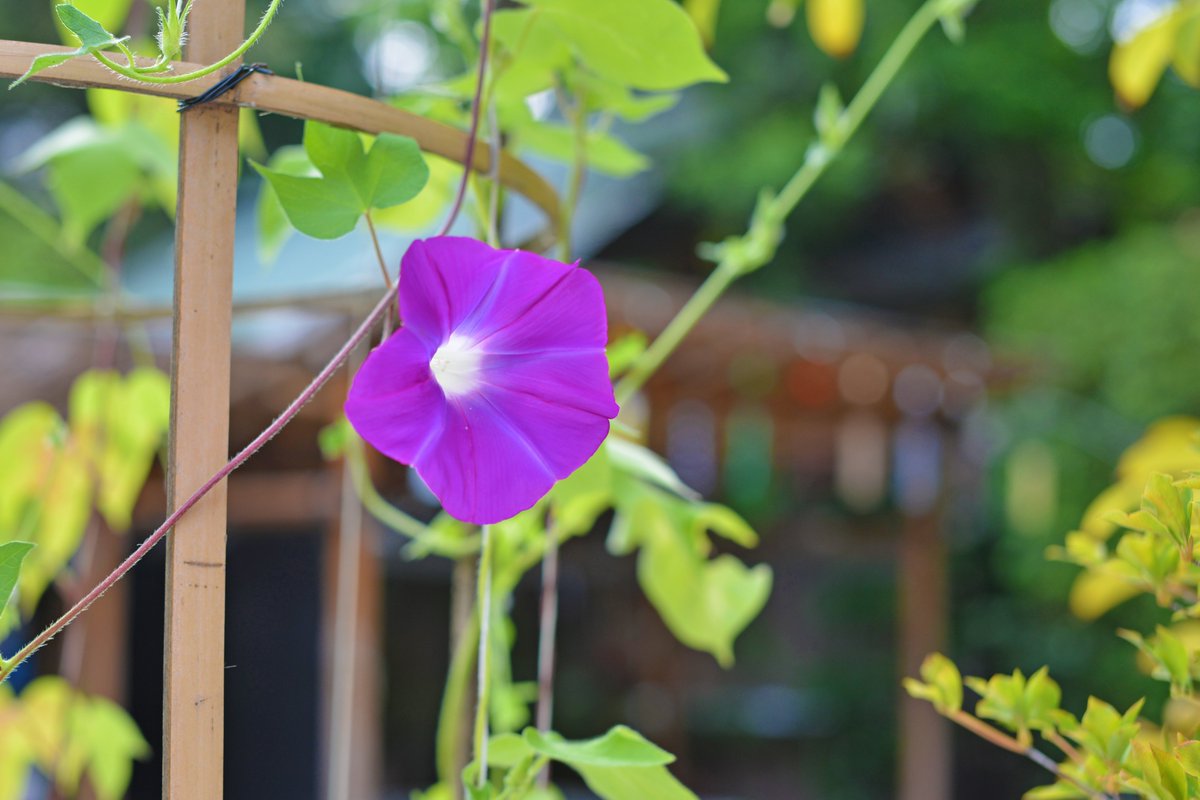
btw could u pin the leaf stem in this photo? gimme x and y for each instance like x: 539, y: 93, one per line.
x: 776, y: 210
x: 476, y: 104
x: 383, y: 270
x: 132, y: 72
x: 547, y: 643
x: 454, y: 716
x: 577, y: 116
x: 483, y: 602
x: 373, y: 501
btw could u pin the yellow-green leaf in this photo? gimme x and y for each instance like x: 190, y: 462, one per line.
x: 940, y: 684
x: 646, y: 44
x: 1137, y: 64
x: 1187, y: 49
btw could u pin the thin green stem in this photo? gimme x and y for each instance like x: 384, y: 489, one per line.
x: 771, y: 214
x: 383, y: 270
x: 493, y: 215
x: 133, y: 73
x: 386, y: 332
x: 862, y: 104
x: 578, y: 118
x: 452, y: 714
x: 372, y: 500
x: 696, y: 307
x: 483, y: 604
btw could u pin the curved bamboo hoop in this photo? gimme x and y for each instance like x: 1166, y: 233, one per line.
x: 293, y: 98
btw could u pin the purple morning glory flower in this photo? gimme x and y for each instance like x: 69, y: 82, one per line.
x: 497, y: 385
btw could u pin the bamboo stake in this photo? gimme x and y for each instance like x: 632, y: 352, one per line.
x: 194, y: 658
x: 294, y: 99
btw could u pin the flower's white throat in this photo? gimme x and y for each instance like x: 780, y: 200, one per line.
x: 455, y: 365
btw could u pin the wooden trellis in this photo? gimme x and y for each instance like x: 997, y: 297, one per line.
x: 193, y: 725
x: 202, y: 308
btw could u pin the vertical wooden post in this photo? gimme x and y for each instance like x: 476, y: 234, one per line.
x: 353, y: 683
x: 194, y: 658
x: 924, y: 737
x: 920, y: 476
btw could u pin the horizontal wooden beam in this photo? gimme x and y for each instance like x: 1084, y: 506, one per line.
x: 293, y: 98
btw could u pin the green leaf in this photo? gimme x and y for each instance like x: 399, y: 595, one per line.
x: 45, y: 494
x: 579, y: 499
x: 634, y: 783
x: 104, y: 741
x: 532, y: 52
x: 352, y: 181
x: 1189, y: 758
x: 507, y: 749
x: 394, y: 172
x: 1162, y: 772
x: 420, y: 212
x: 1169, y: 655
x: 639, y: 462
x: 1169, y: 504
x: 620, y: 765
x: 39, y: 258
x: 1019, y: 704
x: 64, y: 505
x: 331, y: 149
x: 623, y: 352
x: 28, y: 445
x: 1106, y: 733
x: 73, y: 734
x: 705, y: 603
x: 1060, y: 790
x: 110, y: 14
x: 320, y: 208
x: 604, y: 152
x: 610, y: 97
x: 723, y: 521
x: 1187, y: 49
x: 94, y: 170
x: 273, y: 227
x: 1146, y: 557
x: 136, y: 422
x: 332, y: 439
x: 16, y: 753
x: 940, y: 684
x: 117, y: 425
x: 620, y: 747
x: 645, y: 44
x: 91, y: 34
x: 12, y: 554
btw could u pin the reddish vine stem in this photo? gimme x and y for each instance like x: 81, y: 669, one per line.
x: 8, y: 666
x: 6, y: 669
x: 473, y: 132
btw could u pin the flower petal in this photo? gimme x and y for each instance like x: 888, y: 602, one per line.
x: 479, y: 467
x: 575, y: 378
x: 394, y: 403
x: 539, y: 304
x: 443, y: 280
x: 563, y: 434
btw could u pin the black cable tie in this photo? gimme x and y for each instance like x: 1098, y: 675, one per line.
x: 224, y: 85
